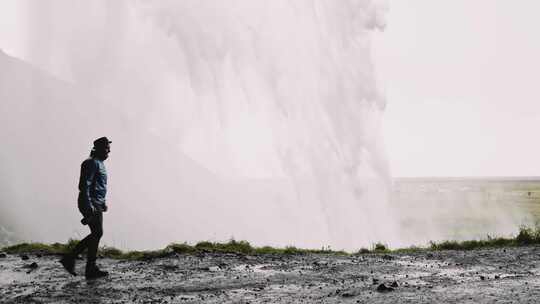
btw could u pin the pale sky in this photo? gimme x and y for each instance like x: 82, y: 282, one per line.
x: 462, y: 81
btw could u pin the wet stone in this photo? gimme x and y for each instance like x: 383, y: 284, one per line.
x: 353, y: 292
x: 387, y: 257
x: 384, y: 288
x: 34, y: 265
x: 320, y: 263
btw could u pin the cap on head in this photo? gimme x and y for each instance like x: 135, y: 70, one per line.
x: 101, y: 142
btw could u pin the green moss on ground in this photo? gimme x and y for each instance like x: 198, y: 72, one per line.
x: 232, y: 246
x: 55, y: 248
x: 526, y: 236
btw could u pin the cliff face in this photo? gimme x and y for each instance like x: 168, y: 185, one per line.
x: 156, y: 193
x: 37, y: 115
x: 47, y: 126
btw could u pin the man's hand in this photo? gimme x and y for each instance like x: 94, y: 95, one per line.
x: 89, y: 214
x: 105, y: 208
x: 91, y: 210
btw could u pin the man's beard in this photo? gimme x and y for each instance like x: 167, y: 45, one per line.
x: 102, y: 155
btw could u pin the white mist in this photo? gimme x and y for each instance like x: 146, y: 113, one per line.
x: 258, y: 120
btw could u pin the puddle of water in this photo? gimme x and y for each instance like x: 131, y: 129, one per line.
x: 11, y: 272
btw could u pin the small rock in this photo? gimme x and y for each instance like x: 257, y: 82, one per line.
x: 3, y: 255
x: 321, y: 263
x: 169, y: 267
x: 375, y: 281
x: 31, y: 267
x: 394, y: 284
x: 387, y: 257
x: 352, y: 292
x: 482, y: 277
x: 34, y: 265
x: 497, y: 276
x: 24, y: 257
x: 384, y: 288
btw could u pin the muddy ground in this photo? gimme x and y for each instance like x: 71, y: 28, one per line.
x: 510, y: 275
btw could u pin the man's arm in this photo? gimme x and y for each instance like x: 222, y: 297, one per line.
x: 88, y: 171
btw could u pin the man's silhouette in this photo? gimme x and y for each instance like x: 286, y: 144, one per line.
x: 91, y: 202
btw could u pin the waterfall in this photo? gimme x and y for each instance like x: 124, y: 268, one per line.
x: 251, y: 119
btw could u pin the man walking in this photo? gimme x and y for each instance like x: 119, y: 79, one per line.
x: 91, y: 203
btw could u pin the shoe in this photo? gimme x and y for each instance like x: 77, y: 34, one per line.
x: 93, y: 272
x: 69, y: 264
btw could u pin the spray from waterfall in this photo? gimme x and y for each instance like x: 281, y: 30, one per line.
x: 252, y: 119
x: 273, y: 105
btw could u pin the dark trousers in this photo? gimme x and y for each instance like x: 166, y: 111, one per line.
x: 91, y: 241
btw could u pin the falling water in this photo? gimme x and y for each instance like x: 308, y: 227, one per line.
x: 252, y: 119
x: 249, y: 119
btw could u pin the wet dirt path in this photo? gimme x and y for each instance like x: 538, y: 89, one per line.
x: 510, y: 275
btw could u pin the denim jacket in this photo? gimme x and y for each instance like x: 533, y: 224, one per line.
x: 92, y: 184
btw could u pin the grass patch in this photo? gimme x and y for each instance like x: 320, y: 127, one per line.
x: 363, y: 251
x: 380, y: 247
x: 55, y: 248
x: 526, y: 236
x: 232, y: 246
